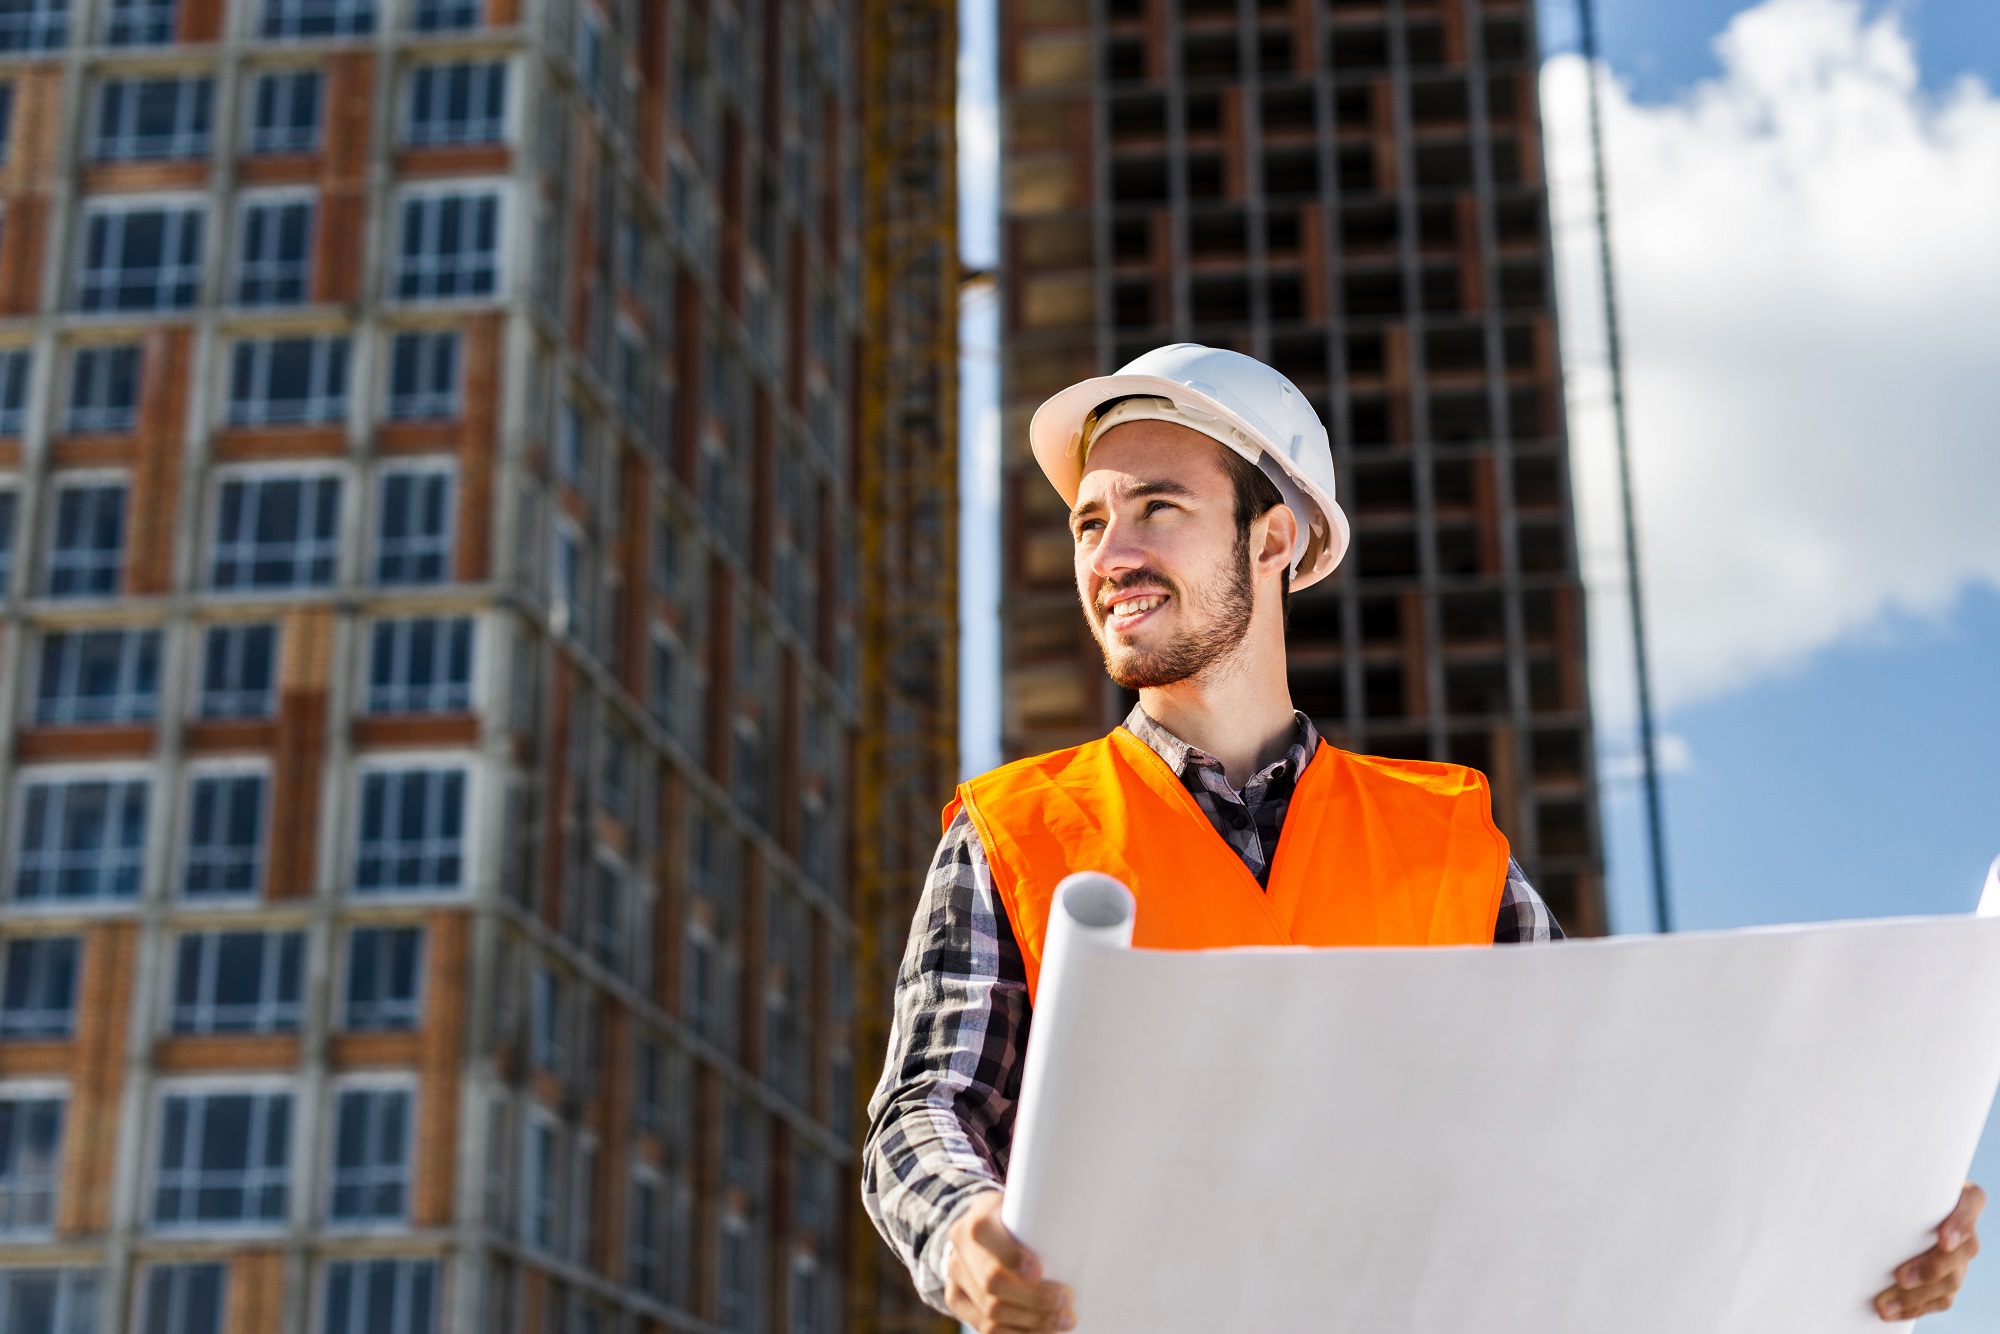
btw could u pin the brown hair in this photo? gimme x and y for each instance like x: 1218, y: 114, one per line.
x: 1256, y: 496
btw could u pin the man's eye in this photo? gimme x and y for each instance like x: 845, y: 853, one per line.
x: 1155, y: 506
x: 1088, y: 526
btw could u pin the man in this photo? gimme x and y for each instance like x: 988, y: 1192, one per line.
x: 1200, y: 486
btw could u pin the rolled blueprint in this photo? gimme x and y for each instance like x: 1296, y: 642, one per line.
x: 1091, y: 914
x: 1713, y: 1133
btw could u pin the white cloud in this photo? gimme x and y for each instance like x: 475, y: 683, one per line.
x: 1808, y: 254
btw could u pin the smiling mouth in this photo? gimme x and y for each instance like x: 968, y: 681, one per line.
x: 1125, y: 612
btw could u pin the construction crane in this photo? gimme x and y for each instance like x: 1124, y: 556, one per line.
x: 906, y: 481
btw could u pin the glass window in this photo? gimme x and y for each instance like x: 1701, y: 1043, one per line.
x: 607, y: 918
x: 30, y: 1145
x: 422, y: 664
x: 651, y: 1093
x: 98, y: 676
x: 9, y: 502
x: 446, y: 15
x: 147, y: 119
x: 276, y: 532
x: 34, y: 25
x: 450, y: 246
x: 140, y: 23
x: 663, y: 681
x: 380, y: 1297
x: 642, y: 1246
x: 412, y: 831
x: 87, y: 545
x: 384, y: 974
x: 413, y: 544
x: 423, y: 376
x: 38, y: 996
x: 49, y: 1301
x: 318, y: 18
x: 547, y: 1020
x: 103, y: 389
x: 572, y: 444
x: 274, y: 259
x: 225, y: 846
x: 237, y: 669
x: 284, y: 112
x: 81, y: 839
x: 288, y: 381
x: 543, y: 1178
x: 239, y: 982
x: 184, y: 1299
x: 463, y: 103
x: 371, y: 1156
x: 14, y: 390
x: 224, y: 1158
x: 140, y: 258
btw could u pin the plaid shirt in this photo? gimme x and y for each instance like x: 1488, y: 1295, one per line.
x: 942, y: 1118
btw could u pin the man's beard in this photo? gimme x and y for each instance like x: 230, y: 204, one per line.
x: 1221, y: 617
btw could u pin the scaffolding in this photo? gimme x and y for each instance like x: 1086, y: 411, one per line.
x: 906, y: 753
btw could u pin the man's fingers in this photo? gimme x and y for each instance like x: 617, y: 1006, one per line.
x: 1959, y: 1224
x: 1002, y: 1245
x: 1908, y: 1304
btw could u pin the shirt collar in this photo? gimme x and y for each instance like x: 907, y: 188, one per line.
x: 1179, y: 755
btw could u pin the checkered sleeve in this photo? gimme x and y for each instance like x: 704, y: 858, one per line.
x: 942, y: 1117
x: 1524, y: 919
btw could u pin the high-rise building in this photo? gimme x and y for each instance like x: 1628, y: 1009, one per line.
x: 428, y: 464
x: 1351, y: 190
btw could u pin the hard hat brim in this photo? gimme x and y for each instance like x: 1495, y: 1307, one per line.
x: 1055, y: 435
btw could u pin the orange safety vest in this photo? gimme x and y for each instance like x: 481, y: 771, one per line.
x: 1373, y: 852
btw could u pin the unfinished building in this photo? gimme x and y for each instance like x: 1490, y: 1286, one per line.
x: 1352, y: 191
x: 431, y: 663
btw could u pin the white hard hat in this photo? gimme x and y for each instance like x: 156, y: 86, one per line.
x: 1228, y: 397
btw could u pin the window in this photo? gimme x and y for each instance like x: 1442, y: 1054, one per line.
x: 446, y: 15
x: 318, y: 18
x: 371, y: 1156
x: 34, y: 25
x: 284, y: 112
x: 184, y: 1299
x: 140, y: 258
x: 98, y: 676
x: 224, y: 1158
x: 49, y: 1301
x: 30, y: 1144
x: 543, y: 1180
x: 103, y: 389
x: 8, y: 504
x: 239, y: 982
x: 276, y: 532
x: 147, y: 119
x: 87, y: 546
x: 140, y: 23
x: 572, y: 445
x: 81, y: 839
x: 664, y: 681
x: 450, y: 246
x: 423, y: 376
x: 547, y: 1019
x: 275, y: 252
x: 651, y: 1094
x: 412, y: 830
x: 458, y: 104
x: 642, y: 1250
x: 38, y: 997
x: 381, y: 1297
x: 237, y: 667
x: 384, y: 972
x: 14, y: 391
x: 421, y: 665
x: 413, y: 543
x: 607, y: 919
x: 288, y: 381
x: 225, y: 836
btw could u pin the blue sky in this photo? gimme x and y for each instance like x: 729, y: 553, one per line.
x: 1807, y: 255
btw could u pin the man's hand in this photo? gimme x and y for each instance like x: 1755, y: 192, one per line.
x: 994, y: 1283
x: 1929, y: 1282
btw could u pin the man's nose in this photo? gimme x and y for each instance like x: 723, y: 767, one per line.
x: 1117, y: 551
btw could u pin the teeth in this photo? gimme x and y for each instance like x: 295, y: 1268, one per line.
x: 1136, y: 606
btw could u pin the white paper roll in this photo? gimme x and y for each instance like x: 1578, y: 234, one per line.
x: 1090, y: 915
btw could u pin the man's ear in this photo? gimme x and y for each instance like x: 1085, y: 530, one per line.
x: 1272, y: 537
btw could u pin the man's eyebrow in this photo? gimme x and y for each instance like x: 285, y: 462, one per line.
x: 1159, y: 486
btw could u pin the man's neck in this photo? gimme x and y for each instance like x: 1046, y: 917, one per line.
x: 1240, y: 712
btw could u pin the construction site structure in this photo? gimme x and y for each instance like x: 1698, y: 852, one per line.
x: 1352, y: 191
x: 440, y: 626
